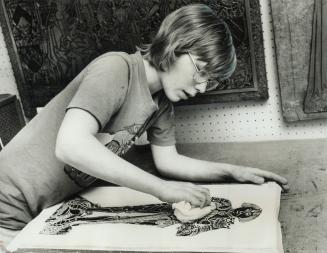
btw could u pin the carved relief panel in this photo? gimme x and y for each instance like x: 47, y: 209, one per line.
x: 49, y: 42
x: 300, y: 32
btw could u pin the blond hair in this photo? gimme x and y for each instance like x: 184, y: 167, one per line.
x: 196, y: 29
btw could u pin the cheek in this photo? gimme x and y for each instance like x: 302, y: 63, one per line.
x: 171, y: 91
x: 169, y: 82
x: 177, y: 80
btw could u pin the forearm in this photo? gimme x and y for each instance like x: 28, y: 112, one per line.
x: 190, y: 169
x: 88, y: 155
x: 186, y: 168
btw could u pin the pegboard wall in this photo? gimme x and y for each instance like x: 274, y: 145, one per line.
x: 222, y: 122
x: 246, y: 121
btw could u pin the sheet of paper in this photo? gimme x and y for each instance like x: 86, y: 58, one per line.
x: 111, y: 229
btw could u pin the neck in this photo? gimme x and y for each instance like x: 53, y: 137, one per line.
x: 152, y: 77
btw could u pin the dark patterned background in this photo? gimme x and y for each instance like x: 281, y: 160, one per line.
x: 56, y: 39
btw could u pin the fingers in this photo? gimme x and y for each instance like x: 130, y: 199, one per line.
x: 207, y: 195
x: 200, y: 196
x: 260, y: 176
x: 176, y: 191
x: 272, y: 176
x: 256, y: 179
x: 285, y: 188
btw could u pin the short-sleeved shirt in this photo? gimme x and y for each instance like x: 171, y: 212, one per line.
x: 114, y: 89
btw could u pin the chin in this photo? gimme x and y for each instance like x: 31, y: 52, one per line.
x: 172, y: 97
x: 176, y: 99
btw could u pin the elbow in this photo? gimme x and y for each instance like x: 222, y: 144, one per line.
x: 61, y: 152
x: 73, y: 148
x: 166, y: 160
x: 65, y: 150
x: 164, y: 169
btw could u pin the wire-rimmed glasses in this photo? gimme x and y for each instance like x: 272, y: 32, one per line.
x: 199, y: 77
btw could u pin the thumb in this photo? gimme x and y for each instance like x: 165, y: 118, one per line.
x: 257, y: 180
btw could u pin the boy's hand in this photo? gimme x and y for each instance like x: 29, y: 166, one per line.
x: 257, y: 176
x: 174, y: 191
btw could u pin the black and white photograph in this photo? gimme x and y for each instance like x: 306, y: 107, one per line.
x: 163, y: 126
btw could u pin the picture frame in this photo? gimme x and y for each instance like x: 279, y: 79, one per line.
x: 50, y: 42
x: 1, y: 144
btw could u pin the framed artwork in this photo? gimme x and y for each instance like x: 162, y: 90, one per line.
x: 300, y: 45
x: 50, y: 42
x: 1, y: 144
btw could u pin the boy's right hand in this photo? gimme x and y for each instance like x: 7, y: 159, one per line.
x: 175, y: 191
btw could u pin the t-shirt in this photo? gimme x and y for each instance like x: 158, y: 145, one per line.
x: 113, y: 88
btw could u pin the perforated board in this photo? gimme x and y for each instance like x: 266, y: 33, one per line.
x: 223, y: 122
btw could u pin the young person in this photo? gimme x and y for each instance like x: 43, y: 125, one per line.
x: 49, y: 160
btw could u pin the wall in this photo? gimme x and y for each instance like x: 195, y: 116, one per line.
x: 7, y: 80
x: 246, y: 121
x: 223, y: 122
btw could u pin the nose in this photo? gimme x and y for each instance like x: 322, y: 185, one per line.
x: 201, y: 87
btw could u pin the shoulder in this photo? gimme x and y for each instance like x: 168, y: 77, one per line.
x: 113, y: 59
x: 108, y: 67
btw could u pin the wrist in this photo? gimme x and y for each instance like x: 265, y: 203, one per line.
x: 223, y: 171
x: 159, y: 189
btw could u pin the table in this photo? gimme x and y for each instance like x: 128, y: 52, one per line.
x: 302, y: 162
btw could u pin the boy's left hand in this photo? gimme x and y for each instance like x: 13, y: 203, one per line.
x: 257, y: 176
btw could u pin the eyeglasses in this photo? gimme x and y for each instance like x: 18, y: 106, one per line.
x: 199, y: 77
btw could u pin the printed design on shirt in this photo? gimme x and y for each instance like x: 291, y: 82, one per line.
x: 81, y: 212
x: 122, y: 139
x: 119, y: 143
